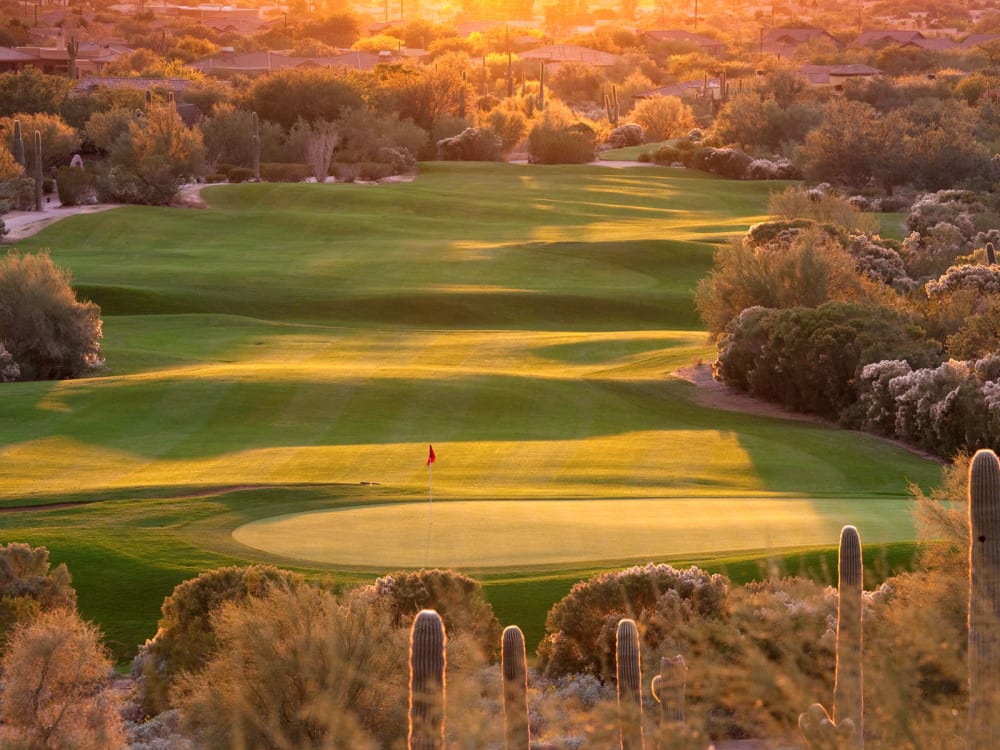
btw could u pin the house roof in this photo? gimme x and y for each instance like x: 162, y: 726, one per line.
x: 934, y: 44
x: 260, y: 62
x: 9, y: 54
x: 89, y: 84
x: 795, y: 35
x: 680, y: 89
x: 570, y: 53
x: 820, y: 75
x: 975, y: 40
x: 882, y: 37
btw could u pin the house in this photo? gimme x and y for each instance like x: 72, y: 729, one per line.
x: 785, y: 41
x: 13, y: 60
x: 257, y: 63
x: 978, y: 40
x: 561, y: 53
x: 705, y: 44
x: 932, y: 44
x: 833, y: 76
x: 879, y: 38
x: 54, y: 60
x: 702, y: 88
x: 91, y: 84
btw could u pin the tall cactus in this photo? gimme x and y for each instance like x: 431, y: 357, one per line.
x: 427, y: 686
x: 541, y: 87
x: 984, y: 601
x: 514, y: 667
x: 848, y: 702
x: 669, y: 689
x: 18, y: 145
x: 255, y: 141
x: 72, y: 49
x: 991, y: 254
x: 38, y: 171
x: 629, y: 685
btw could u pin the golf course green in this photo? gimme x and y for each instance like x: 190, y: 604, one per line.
x: 278, y: 363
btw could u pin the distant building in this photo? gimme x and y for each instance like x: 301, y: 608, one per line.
x: 706, y: 44
x: 92, y: 84
x: 562, y: 53
x: 785, y: 41
x: 879, y: 38
x: 833, y: 76
x: 978, y: 40
x: 54, y: 60
x: 258, y: 63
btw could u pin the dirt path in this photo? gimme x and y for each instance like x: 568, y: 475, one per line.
x: 716, y: 395
x: 21, y: 224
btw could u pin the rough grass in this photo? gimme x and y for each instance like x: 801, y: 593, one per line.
x: 295, y: 347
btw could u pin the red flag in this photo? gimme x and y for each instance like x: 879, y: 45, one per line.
x: 431, y: 457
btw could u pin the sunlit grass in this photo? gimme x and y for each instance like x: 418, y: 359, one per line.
x: 294, y: 348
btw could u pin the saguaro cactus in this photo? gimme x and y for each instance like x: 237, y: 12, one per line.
x: 848, y: 702
x: 669, y: 689
x: 541, y: 86
x: 991, y: 254
x: 72, y: 49
x: 845, y: 729
x: 38, y: 171
x: 514, y: 667
x: 629, y: 685
x: 255, y: 140
x: 427, y: 682
x: 984, y: 601
x: 18, y: 145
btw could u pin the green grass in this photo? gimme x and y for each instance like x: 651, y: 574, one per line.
x: 294, y: 348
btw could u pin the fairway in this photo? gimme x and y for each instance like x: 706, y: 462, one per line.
x: 295, y: 348
x: 480, y: 535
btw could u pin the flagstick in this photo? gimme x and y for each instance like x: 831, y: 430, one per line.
x: 430, y: 506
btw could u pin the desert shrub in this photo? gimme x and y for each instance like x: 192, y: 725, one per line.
x: 809, y: 359
x: 29, y: 585
x: 283, y: 172
x: 879, y: 260
x: 300, y: 669
x: 509, y: 123
x: 371, y: 137
x: 185, y: 638
x: 456, y: 597
x: 960, y: 297
x: 668, y: 153
x: 663, y: 117
x: 104, y: 128
x: 821, y: 206
x: 795, y: 267
x: 240, y: 174
x: 46, y: 330
x: 978, y: 335
x: 472, y: 144
x: 9, y: 369
x: 752, y: 651
x: 772, y: 169
x: 725, y: 162
x: 76, y: 186
x: 55, y: 679
x: 629, y: 134
x: 579, y: 626
x: 156, y: 186
x: 59, y: 140
x: 556, y: 140
x: 944, y: 226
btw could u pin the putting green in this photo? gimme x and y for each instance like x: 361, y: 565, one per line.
x: 488, y: 534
